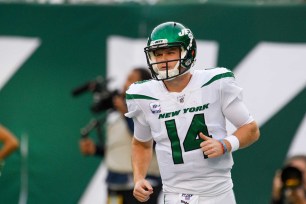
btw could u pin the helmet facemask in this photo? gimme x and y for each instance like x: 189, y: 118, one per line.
x: 168, y: 73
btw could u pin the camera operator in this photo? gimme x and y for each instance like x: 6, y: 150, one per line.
x: 117, y: 150
x: 289, y: 184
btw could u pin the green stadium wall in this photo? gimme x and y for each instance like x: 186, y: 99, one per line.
x: 71, y: 48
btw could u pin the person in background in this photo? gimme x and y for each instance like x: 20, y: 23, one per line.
x: 10, y: 144
x: 117, y: 150
x: 283, y: 194
x: 185, y: 114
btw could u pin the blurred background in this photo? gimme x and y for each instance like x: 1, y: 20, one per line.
x: 50, y: 47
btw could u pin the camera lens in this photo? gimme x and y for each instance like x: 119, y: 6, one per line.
x: 291, y: 177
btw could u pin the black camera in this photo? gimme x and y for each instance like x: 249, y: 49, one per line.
x: 291, y: 177
x: 102, y: 97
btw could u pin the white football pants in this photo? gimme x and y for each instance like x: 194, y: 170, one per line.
x: 226, y: 198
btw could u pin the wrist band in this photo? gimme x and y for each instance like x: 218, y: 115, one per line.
x: 233, y: 140
x: 223, y: 146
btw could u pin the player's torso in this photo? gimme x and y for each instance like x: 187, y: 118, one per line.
x: 175, y: 120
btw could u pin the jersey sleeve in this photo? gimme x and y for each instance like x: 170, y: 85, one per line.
x: 229, y: 91
x: 232, y: 104
x: 142, y: 130
x: 133, y: 109
x: 237, y: 113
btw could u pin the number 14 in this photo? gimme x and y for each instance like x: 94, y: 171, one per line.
x: 192, y: 140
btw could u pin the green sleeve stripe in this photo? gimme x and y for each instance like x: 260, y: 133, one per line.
x: 219, y: 76
x: 138, y: 96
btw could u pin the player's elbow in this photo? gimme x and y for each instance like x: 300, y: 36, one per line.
x: 256, y: 135
x: 254, y: 131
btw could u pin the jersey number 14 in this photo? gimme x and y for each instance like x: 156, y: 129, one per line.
x: 192, y: 140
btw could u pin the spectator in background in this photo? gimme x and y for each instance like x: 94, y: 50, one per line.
x: 283, y: 194
x: 117, y: 151
x: 10, y: 143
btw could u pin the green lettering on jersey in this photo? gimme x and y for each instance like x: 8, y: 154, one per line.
x: 192, y: 109
x: 162, y: 115
x: 168, y: 115
x: 175, y: 113
x: 205, y: 106
x: 185, y: 110
x: 199, y: 108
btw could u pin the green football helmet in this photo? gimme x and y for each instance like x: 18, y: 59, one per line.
x: 166, y: 35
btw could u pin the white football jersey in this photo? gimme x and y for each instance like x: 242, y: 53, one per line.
x: 175, y: 120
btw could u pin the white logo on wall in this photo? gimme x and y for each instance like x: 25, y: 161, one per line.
x: 14, y: 51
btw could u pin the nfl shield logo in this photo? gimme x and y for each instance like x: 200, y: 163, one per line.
x: 181, y: 98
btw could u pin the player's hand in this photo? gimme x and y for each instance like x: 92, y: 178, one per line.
x: 142, y: 190
x: 211, y: 147
x: 87, y: 146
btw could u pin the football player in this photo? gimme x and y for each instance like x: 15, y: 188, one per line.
x: 185, y: 114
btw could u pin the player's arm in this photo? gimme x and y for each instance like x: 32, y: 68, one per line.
x: 142, y: 149
x: 237, y: 113
x: 142, y: 143
x: 10, y: 142
x: 247, y: 130
x: 242, y: 137
x: 141, y: 158
x: 246, y: 134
